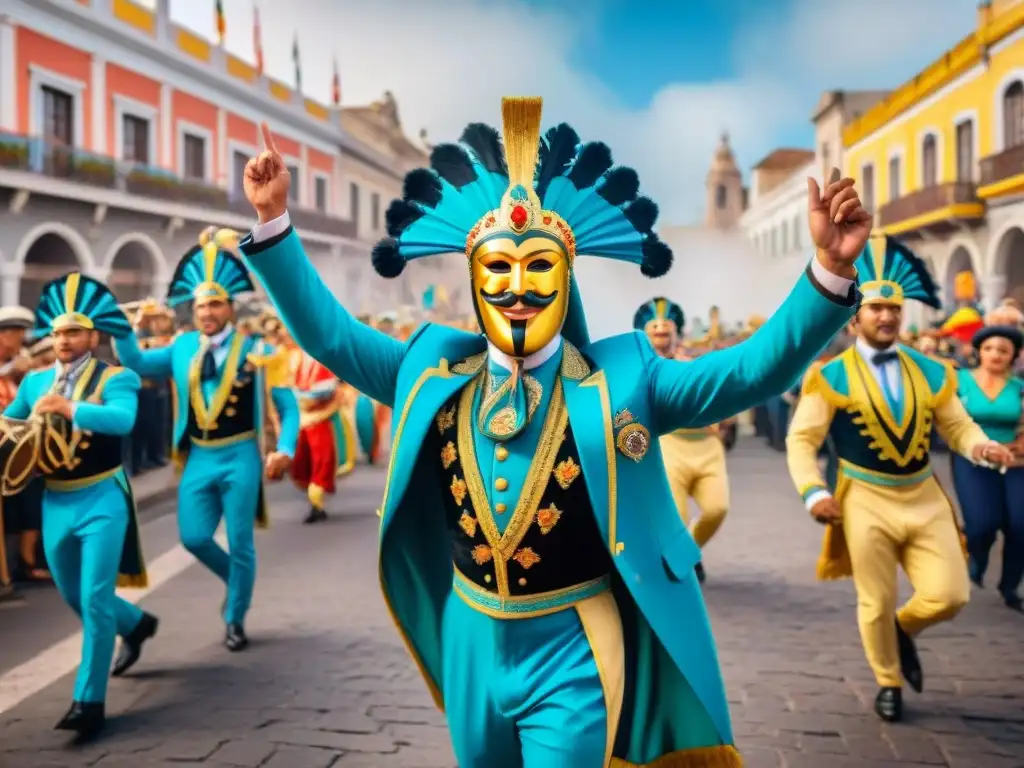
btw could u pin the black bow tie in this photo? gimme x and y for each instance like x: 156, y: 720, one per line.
x: 881, y: 358
x: 209, y: 371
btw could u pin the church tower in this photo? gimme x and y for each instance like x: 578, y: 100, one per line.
x: 726, y: 197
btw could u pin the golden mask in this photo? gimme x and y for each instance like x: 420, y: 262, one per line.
x: 520, y: 290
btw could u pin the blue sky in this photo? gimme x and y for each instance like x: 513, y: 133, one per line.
x: 657, y: 81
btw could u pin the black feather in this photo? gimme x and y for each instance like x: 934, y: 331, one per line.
x: 422, y: 186
x: 486, y: 145
x: 453, y: 164
x: 657, y: 257
x: 386, y: 259
x: 592, y: 163
x: 399, y: 216
x: 620, y: 185
x: 556, y: 152
x: 642, y: 213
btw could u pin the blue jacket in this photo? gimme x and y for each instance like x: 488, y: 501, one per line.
x: 115, y: 415
x: 660, y: 602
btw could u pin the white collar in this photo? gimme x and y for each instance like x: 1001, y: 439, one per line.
x: 221, y: 336
x: 535, y: 360
x: 868, y: 352
x: 72, y: 369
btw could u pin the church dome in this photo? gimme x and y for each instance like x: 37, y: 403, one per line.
x: 724, y: 160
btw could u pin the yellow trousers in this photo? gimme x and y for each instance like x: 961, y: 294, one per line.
x: 695, y: 467
x: 912, y: 526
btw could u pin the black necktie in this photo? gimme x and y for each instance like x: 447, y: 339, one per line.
x: 209, y: 366
x: 881, y: 358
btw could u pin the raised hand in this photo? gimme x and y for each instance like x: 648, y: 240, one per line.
x: 839, y: 224
x: 267, y: 180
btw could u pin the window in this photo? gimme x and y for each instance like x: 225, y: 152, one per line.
x: 353, y: 202
x: 320, y: 193
x: 894, y: 178
x: 238, y: 162
x: 58, y: 116
x: 375, y: 210
x: 867, y: 187
x: 1013, y: 115
x: 965, y: 151
x: 135, y: 135
x: 293, y: 190
x: 785, y: 239
x: 195, y: 157
x: 721, y: 197
x: 929, y: 162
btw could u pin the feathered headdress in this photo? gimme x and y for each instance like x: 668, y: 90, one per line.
x: 78, y: 301
x: 211, y: 270
x: 888, y: 272
x: 659, y: 308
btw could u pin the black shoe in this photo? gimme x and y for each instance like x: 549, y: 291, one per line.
x: 131, y: 645
x: 87, y: 719
x: 910, y: 662
x: 699, y: 570
x: 315, y: 515
x: 889, y: 705
x: 235, y: 639
x: 1014, y: 602
x: 9, y: 595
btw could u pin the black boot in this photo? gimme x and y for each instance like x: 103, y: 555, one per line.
x: 87, y: 719
x: 235, y: 639
x: 131, y: 644
x: 315, y: 515
x: 1013, y: 602
x: 699, y: 570
x: 889, y: 704
x: 910, y: 662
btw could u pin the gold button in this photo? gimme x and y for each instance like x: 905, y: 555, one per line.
x: 501, y: 453
x: 500, y: 508
x: 233, y: 399
x: 487, y: 578
x: 620, y: 547
x: 83, y: 445
x: 230, y: 411
x: 501, y: 484
x: 522, y: 582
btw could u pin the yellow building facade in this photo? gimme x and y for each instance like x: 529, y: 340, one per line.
x: 940, y: 160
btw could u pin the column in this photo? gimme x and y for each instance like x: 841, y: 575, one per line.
x: 100, y: 104
x: 993, y: 289
x: 10, y: 283
x: 166, y: 128
x: 8, y: 76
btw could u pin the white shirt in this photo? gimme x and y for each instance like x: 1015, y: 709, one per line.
x: 217, y: 344
x: 71, y: 372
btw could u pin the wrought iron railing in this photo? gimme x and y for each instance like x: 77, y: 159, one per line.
x: 927, y: 200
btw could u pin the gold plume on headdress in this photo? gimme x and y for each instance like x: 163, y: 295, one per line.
x: 521, y: 129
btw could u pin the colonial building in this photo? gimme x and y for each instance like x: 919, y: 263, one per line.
x: 123, y: 134
x: 941, y: 158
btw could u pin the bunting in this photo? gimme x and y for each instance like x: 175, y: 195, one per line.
x: 222, y: 26
x: 257, y: 39
x: 298, y: 63
x: 336, y: 85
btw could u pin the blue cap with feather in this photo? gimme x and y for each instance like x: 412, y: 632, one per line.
x: 525, y: 185
x: 78, y: 301
x: 211, y: 271
x: 888, y: 272
x: 659, y: 308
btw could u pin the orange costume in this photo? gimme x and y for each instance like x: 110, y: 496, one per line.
x: 326, y: 447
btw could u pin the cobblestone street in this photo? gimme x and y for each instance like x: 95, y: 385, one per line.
x: 327, y: 682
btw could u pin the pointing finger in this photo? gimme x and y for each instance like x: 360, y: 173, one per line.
x: 268, y: 138
x: 814, y: 201
x: 835, y: 176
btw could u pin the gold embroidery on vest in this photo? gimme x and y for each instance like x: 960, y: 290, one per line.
x: 548, y: 517
x: 526, y: 557
x: 468, y: 524
x: 482, y: 554
x: 446, y: 419
x: 566, y: 471
x: 458, y: 489
x: 448, y: 454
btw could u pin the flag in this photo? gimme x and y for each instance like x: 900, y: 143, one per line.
x: 257, y: 39
x: 222, y: 26
x: 298, y: 63
x: 336, y: 85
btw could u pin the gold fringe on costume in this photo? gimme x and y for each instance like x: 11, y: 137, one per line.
x: 724, y: 756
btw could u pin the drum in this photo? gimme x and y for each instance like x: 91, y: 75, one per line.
x: 39, y: 445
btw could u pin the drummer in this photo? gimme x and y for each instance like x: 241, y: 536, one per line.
x: 90, y: 532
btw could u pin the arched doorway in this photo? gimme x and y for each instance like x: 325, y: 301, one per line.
x: 46, y: 259
x: 1010, y: 262
x: 959, y: 261
x: 132, y: 272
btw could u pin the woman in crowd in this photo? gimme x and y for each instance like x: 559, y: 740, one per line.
x: 992, y: 501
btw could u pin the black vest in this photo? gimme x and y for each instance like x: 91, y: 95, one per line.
x: 562, y: 547
x: 239, y: 413
x: 94, y: 454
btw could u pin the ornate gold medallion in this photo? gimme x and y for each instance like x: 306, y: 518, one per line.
x: 503, y: 422
x: 548, y: 517
x: 527, y: 558
x: 468, y: 524
x: 566, y: 472
x: 448, y: 454
x: 633, y: 441
x: 446, y: 419
x: 458, y: 488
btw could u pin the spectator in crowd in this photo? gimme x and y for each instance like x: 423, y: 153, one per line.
x: 150, y: 439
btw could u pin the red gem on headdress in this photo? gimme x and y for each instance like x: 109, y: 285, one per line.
x: 519, y: 216
x: 547, y: 220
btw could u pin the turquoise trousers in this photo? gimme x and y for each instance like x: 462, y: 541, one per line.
x: 223, y: 482
x: 83, y: 535
x: 522, y: 693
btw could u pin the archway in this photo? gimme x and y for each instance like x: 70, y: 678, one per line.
x: 1010, y: 262
x: 133, y: 272
x: 46, y: 257
x: 959, y: 261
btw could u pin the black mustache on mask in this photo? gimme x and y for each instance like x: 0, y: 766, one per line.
x: 506, y: 299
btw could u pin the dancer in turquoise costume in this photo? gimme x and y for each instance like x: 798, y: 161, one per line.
x: 530, y: 551
x: 90, y: 531
x: 222, y: 382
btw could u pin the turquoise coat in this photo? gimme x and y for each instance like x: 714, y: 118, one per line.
x: 664, y: 618
x: 175, y: 362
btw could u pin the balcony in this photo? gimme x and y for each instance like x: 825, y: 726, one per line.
x: 33, y: 155
x: 1002, y: 174
x: 936, y: 209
